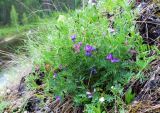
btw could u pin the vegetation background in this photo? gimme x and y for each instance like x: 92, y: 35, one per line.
x: 33, y: 8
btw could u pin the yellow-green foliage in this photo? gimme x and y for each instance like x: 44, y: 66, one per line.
x: 24, y: 19
x: 14, y: 16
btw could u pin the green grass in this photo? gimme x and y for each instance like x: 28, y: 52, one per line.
x: 3, y: 104
x: 10, y: 31
x: 7, y: 31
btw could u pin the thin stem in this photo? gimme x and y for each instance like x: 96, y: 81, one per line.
x: 89, y: 78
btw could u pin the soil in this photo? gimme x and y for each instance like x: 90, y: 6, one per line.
x: 149, y: 24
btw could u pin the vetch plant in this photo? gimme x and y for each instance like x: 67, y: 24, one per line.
x: 92, y: 60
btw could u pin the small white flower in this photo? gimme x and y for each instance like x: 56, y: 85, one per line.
x: 88, y: 93
x: 111, y: 30
x: 94, y: 90
x: 102, y: 99
x: 92, y: 2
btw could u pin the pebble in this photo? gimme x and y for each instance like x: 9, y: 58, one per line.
x: 1, y: 63
x: 8, y: 91
x: 47, y: 109
x: 2, y: 93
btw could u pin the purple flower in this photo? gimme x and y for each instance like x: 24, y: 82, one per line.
x: 55, y: 75
x: 109, y: 57
x: 89, y: 49
x: 58, y: 98
x: 73, y: 37
x: 94, y: 1
x: 77, y: 47
x: 88, y: 54
x: 89, y: 94
x: 93, y: 71
x: 111, y: 30
x: 112, y: 59
x: 80, y: 43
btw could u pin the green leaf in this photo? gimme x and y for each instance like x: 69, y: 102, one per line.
x: 129, y: 96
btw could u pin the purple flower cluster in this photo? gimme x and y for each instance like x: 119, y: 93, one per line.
x: 77, y: 47
x: 89, y: 49
x: 111, y: 58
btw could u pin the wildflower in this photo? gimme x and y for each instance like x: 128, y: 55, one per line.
x: 89, y: 94
x: 114, y: 60
x: 111, y: 58
x: 55, y: 75
x: 112, y: 87
x: 89, y: 49
x: 94, y: 90
x: 73, y: 37
x: 92, y: 2
x: 58, y: 98
x: 93, y: 71
x: 80, y: 43
x: 102, y: 99
x: 111, y: 30
x: 77, y: 47
x: 88, y: 54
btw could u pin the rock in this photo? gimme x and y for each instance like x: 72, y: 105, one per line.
x: 8, y: 91
x: 47, y: 109
x: 21, y: 87
x: 2, y: 93
x: 25, y: 112
x: 1, y: 63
